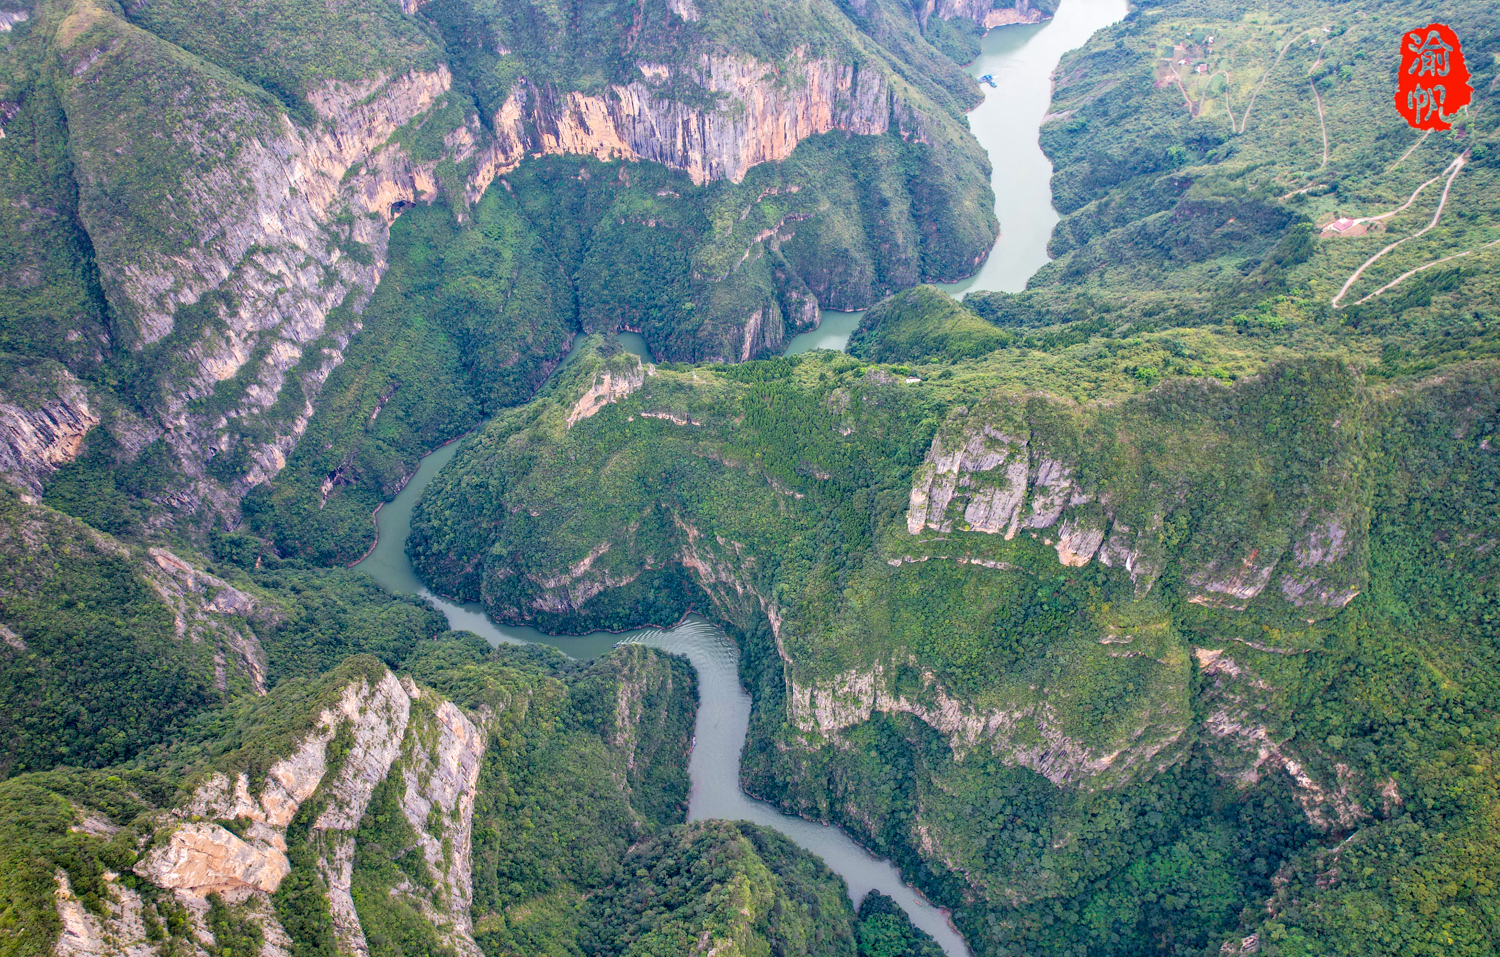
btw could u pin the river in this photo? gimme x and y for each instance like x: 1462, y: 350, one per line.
x: 1008, y: 125
x: 723, y: 705
x: 1021, y: 59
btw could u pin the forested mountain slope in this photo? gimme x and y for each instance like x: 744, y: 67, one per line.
x: 199, y: 203
x: 1174, y: 644
x: 1149, y: 610
x: 489, y: 803
x: 110, y: 647
x: 1205, y: 150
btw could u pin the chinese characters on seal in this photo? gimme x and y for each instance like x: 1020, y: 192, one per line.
x: 1433, y: 82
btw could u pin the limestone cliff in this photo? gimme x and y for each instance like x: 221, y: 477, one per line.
x: 978, y: 477
x: 988, y: 14
x: 343, y: 808
x: 1017, y: 502
x: 238, y: 242
x: 42, y: 424
x: 767, y: 110
x: 230, y: 836
x: 1246, y: 729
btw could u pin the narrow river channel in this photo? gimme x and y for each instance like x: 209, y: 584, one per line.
x: 1008, y: 125
x: 1021, y: 59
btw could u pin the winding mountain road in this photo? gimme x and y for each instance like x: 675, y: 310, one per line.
x: 1453, y: 170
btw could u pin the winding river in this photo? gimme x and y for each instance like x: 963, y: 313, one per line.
x: 1021, y: 59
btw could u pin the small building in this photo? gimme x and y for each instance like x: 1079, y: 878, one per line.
x: 1339, y: 226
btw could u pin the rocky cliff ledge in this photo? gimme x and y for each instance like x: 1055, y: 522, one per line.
x: 43, y: 424
x: 988, y: 14
x: 230, y: 837
x: 360, y: 803
x: 761, y: 112
x: 982, y: 474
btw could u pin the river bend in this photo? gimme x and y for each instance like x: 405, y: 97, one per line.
x: 1007, y: 124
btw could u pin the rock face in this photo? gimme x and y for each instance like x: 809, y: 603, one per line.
x: 266, y: 263
x: 609, y: 385
x: 440, y: 770
x: 986, y: 473
x: 987, y: 13
x: 228, y: 236
x: 202, y: 859
x: 46, y: 430
x: 1239, y: 724
x: 287, y: 183
x: 85, y: 934
x: 378, y: 726
x: 206, y: 607
x: 772, y: 112
x: 1030, y: 735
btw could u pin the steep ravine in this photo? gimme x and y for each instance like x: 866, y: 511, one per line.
x: 722, y: 720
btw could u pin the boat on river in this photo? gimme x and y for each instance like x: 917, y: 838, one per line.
x: 990, y: 79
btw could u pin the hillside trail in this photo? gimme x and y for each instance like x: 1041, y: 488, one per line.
x: 1323, y: 126
x: 1409, y: 200
x: 1413, y: 149
x: 1321, y: 122
x: 1455, y: 167
x: 1424, y: 267
x: 1318, y: 99
x: 1245, y: 117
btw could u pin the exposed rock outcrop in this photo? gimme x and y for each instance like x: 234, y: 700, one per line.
x: 986, y: 13
x: 1030, y: 735
x: 205, y: 607
x: 985, y: 472
x: 275, y: 224
x: 203, y: 859
x: 45, y: 429
x: 609, y: 385
x: 122, y: 933
x: 382, y: 726
x: 1245, y: 747
x: 440, y: 768
x: 768, y: 114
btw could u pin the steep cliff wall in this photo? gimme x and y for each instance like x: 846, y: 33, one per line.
x: 1252, y: 499
x: 377, y: 721
x: 359, y: 809
x: 238, y: 235
x: 43, y: 424
x: 760, y: 112
x: 978, y: 478
x: 988, y: 14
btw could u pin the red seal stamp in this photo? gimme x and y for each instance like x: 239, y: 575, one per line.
x: 1433, y: 82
